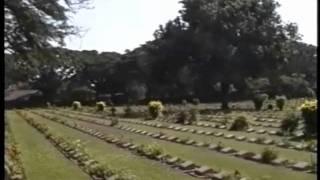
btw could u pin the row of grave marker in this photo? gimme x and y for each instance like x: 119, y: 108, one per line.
x: 186, y: 166
x: 301, y: 166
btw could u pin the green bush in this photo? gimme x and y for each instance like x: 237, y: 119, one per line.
x: 128, y: 111
x: 113, y: 111
x: 153, y: 150
x: 270, y: 107
x: 280, y: 102
x: 259, y: 99
x: 239, y: 124
x: 114, y: 122
x: 290, y: 123
x: 76, y: 105
x: 101, y: 106
x: 268, y: 155
x: 193, y: 115
x: 182, y: 117
x: 155, y: 108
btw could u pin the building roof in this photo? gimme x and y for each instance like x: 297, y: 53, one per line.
x: 17, y: 94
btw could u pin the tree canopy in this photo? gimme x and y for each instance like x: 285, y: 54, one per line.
x: 214, y: 50
x: 36, y: 25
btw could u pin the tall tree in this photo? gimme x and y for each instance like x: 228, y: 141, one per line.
x: 35, y: 25
x: 243, y: 37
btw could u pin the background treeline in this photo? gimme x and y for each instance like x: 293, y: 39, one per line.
x: 215, y: 51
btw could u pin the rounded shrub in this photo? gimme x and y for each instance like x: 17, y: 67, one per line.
x: 290, y: 123
x: 76, y: 105
x: 280, y: 102
x: 239, y: 124
x: 309, y: 114
x: 193, y: 115
x: 114, y: 122
x: 100, y: 106
x: 182, y: 117
x: 270, y: 107
x: 152, y: 150
x: 268, y: 155
x: 259, y: 99
x: 155, y: 108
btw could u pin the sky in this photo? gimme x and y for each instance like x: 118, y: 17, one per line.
x: 117, y: 25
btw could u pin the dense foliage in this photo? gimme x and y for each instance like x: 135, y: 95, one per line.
x: 309, y: 113
x: 239, y: 124
x: 290, y: 123
x: 214, y: 51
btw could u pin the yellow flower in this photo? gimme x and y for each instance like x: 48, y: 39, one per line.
x: 309, y: 106
x: 157, y: 105
x: 101, y: 103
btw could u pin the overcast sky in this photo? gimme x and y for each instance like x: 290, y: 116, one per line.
x: 117, y: 25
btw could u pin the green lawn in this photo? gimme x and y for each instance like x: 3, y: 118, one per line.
x: 243, y: 145
x: 286, y: 153
x: 143, y: 168
x: 39, y: 158
x: 210, y: 158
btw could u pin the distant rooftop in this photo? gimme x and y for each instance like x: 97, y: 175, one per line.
x: 17, y: 94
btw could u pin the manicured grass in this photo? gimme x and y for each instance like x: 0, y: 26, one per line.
x: 286, y: 153
x: 40, y: 159
x: 207, y: 157
x: 243, y: 145
x: 116, y: 157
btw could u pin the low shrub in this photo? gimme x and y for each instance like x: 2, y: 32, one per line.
x: 239, y: 124
x: 155, y: 108
x: 268, y: 155
x: 290, y: 123
x: 182, y: 117
x: 128, y: 111
x: 153, y: 150
x: 193, y: 115
x: 113, y: 111
x: 100, y: 106
x: 114, y: 121
x: 280, y: 102
x: 270, y: 107
x: 225, y: 121
x: 76, y: 105
x: 259, y: 99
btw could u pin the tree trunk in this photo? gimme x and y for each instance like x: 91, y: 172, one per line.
x: 224, y: 95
